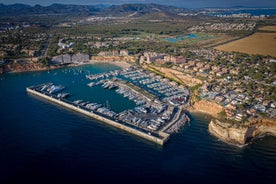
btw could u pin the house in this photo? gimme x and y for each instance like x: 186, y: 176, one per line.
x: 100, y: 44
x: 64, y: 45
x: 195, y: 69
x: 207, y: 66
x: 266, y: 103
x: 178, y: 59
x: 200, y: 64
x: 251, y: 111
x: 150, y: 57
x: 229, y: 113
x: 160, y: 61
x: 239, y: 117
x: 203, y: 70
x: 260, y: 108
x: 231, y: 107
x: 109, y: 53
x: 192, y: 63
x: 124, y: 53
x: 219, y: 99
x: 234, y: 72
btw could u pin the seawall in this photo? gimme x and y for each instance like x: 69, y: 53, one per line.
x: 164, y: 136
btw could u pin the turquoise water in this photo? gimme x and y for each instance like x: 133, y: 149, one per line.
x: 41, y: 142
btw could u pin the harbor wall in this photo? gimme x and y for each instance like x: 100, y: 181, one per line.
x: 103, y: 119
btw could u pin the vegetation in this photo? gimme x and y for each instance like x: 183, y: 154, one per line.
x: 195, y: 93
x: 45, y: 61
x: 222, y: 115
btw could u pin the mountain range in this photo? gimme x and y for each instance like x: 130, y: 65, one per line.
x: 114, y: 10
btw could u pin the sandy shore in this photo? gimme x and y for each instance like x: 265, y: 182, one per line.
x: 121, y: 64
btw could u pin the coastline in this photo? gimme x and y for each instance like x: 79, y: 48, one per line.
x: 206, y: 107
x: 233, y: 135
x: 38, y: 67
x: 122, y: 64
x: 240, y: 135
x: 236, y: 134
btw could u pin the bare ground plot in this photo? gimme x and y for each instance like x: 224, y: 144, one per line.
x: 219, y: 38
x: 267, y: 28
x: 259, y: 43
x: 179, y: 76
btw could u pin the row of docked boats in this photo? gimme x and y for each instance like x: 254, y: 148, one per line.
x: 127, y: 93
x: 103, y: 75
x: 109, y: 85
x: 95, y: 107
x: 54, y: 89
x: 51, y: 88
x: 63, y: 95
x: 92, y: 84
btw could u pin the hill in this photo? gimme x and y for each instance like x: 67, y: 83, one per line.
x: 22, y: 9
x: 134, y: 10
x: 142, y: 9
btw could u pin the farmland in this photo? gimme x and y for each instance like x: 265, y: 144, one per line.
x: 263, y: 42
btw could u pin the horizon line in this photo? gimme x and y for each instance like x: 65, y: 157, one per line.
x: 109, y: 4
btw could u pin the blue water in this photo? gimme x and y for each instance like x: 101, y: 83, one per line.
x: 253, y: 12
x: 41, y: 142
x: 256, y: 12
x: 187, y: 37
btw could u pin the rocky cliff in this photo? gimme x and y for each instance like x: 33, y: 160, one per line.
x: 24, y: 67
x: 228, y: 133
x: 207, y: 107
x: 262, y: 127
x: 238, y: 134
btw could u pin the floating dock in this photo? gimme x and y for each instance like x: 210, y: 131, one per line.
x: 160, y: 138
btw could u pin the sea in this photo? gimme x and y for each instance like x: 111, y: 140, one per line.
x: 41, y: 142
x: 251, y: 11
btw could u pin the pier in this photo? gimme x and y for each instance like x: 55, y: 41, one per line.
x: 159, y: 137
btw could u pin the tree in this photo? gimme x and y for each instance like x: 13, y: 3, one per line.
x: 45, y: 61
x: 222, y: 115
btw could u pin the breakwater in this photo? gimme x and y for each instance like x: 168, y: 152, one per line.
x: 159, y: 138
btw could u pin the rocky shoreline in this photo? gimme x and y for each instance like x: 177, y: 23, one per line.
x: 240, y: 135
x: 234, y: 133
x: 26, y: 67
x: 33, y: 67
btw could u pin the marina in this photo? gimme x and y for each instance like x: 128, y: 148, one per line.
x: 101, y: 114
x: 155, y: 116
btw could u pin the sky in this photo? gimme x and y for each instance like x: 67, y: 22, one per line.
x: 181, y: 3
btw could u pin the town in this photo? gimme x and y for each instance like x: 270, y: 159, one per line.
x: 243, y: 85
